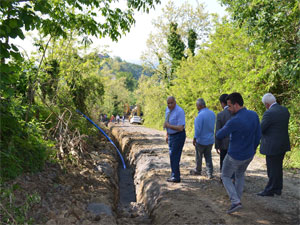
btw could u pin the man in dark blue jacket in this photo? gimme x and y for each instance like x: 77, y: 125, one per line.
x: 245, y: 133
x: 274, y: 142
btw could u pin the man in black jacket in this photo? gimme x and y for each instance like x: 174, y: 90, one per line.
x: 221, y: 145
x: 274, y: 142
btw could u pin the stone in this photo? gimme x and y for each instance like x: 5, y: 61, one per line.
x: 99, y: 208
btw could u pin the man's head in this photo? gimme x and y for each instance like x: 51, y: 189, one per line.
x: 171, y: 102
x: 222, y: 100
x: 268, y: 99
x: 235, y: 102
x: 200, y: 104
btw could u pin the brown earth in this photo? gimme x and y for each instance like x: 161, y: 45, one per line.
x: 88, y: 192
x: 198, y: 200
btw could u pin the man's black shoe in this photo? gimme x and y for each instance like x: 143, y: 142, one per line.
x: 277, y: 192
x: 265, y: 193
x: 172, y: 179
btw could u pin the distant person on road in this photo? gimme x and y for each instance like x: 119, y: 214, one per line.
x: 203, y: 141
x: 221, y: 145
x: 245, y: 133
x: 118, y: 118
x: 123, y: 119
x: 112, y: 119
x: 275, y: 142
x: 175, y: 137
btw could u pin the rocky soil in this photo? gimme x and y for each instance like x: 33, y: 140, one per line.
x: 90, y: 192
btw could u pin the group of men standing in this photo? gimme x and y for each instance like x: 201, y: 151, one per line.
x: 236, y: 137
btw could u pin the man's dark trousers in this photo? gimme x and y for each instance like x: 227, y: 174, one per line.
x: 176, y: 142
x: 223, y: 153
x: 274, y: 169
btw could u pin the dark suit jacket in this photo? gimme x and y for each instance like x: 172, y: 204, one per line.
x: 274, y: 126
x: 222, y: 118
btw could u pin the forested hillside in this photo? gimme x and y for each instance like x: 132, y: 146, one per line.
x: 116, y: 65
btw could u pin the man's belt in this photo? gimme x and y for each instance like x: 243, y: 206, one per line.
x: 177, y: 133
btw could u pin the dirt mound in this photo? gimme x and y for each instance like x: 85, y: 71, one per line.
x: 85, y: 193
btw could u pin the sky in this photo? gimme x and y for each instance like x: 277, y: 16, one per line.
x: 130, y: 46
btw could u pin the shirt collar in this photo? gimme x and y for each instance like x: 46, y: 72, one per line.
x: 226, y: 106
x: 272, y: 105
x: 201, y: 110
x: 242, y: 109
x: 168, y: 110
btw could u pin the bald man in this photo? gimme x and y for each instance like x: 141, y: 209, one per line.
x: 175, y: 136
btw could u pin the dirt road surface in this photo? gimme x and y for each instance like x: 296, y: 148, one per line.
x: 89, y: 191
x: 198, y: 200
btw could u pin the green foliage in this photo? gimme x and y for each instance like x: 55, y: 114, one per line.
x: 116, y: 96
x: 192, y: 38
x: 292, y: 158
x: 50, y: 79
x: 130, y: 82
x: 188, y: 17
x: 120, y: 82
x: 55, y: 18
x: 114, y: 66
x: 23, y: 148
x: 275, y: 24
x: 231, y: 62
x: 16, y: 213
x: 36, y: 94
x: 151, y: 96
x: 175, y: 47
x: 226, y: 65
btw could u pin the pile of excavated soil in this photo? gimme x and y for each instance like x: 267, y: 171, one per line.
x: 86, y: 193
x: 198, y: 200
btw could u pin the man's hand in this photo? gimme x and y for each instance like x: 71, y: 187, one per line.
x: 194, y: 141
x: 166, y: 124
x: 218, y: 151
x: 167, y: 139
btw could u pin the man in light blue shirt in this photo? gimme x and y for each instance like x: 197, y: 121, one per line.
x: 204, y: 138
x: 175, y: 137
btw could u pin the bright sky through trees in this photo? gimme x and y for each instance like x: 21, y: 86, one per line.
x: 131, y: 45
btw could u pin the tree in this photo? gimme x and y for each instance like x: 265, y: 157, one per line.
x: 188, y: 17
x: 192, y: 38
x: 130, y: 82
x: 116, y: 96
x: 55, y: 19
x: 151, y: 96
x: 275, y: 24
x: 175, y: 47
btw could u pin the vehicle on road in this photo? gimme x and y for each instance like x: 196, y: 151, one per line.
x: 135, y: 119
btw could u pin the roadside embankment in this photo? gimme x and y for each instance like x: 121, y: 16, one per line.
x: 197, y: 199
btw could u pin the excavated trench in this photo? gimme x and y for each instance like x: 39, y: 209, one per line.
x: 129, y: 211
